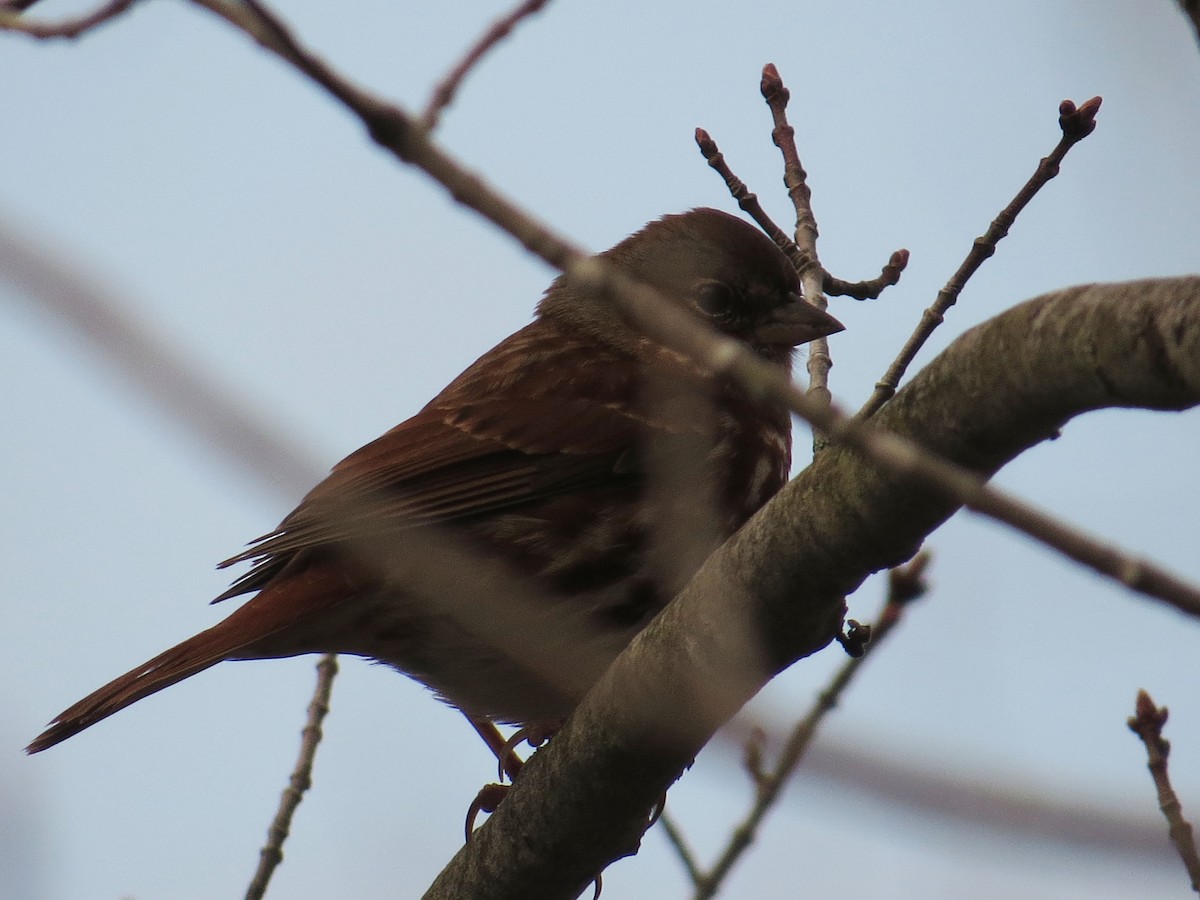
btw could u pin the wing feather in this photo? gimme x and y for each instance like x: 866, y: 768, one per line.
x: 542, y: 414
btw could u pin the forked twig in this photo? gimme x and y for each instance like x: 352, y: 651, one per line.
x: 271, y: 854
x: 443, y: 94
x: 905, y: 584
x: 812, y: 279
x: 748, y: 202
x: 1076, y: 124
x: 1148, y: 724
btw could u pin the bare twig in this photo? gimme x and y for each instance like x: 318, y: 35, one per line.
x: 681, y: 847
x: 812, y: 276
x: 746, y: 199
x: 12, y: 20
x: 869, y: 290
x: 1076, y: 124
x: 1148, y: 724
x: 748, y: 202
x: 905, y: 584
x: 443, y: 94
x: 301, y: 780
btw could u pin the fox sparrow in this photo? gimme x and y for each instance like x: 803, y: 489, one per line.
x: 587, y: 467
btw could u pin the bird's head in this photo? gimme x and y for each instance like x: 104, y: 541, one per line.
x: 719, y: 268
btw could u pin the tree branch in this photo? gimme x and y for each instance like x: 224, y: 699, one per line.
x: 443, y: 94
x: 299, y: 782
x: 1148, y: 724
x: 1076, y: 123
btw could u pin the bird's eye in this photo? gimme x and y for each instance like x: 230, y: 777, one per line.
x: 713, y: 297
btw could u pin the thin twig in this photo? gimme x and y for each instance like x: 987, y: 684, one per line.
x: 746, y: 199
x: 871, y: 289
x: 679, y: 843
x: 812, y: 276
x: 394, y: 129
x: 272, y: 853
x: 905, y: 584
x: 1076, y: 124
x: 12, y: 20
x: 443, y: 94
x: 1148, y: 725
x: 748, y: 202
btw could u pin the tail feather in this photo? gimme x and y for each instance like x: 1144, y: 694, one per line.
x: 277, y: 607
x: 194, y: 655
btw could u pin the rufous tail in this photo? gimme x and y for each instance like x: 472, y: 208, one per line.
x: 182, y: 661
x: 276, y: 607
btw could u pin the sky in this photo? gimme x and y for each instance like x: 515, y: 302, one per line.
x: 248, y: 224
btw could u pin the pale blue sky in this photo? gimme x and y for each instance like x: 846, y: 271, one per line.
x: 248, y: 222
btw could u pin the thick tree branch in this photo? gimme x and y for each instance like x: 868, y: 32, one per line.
x: 772, y: 594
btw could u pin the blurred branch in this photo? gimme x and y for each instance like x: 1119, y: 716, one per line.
x: 679, y: 843
x: 12, y: 20
x: 443, y: 94
x: 940, y: 789
x: 188, y: 396
x: 301, y: 780
x: 183, y: 392
x: 1191, y: 9
x: 1148, y: 724
x: 1076, y: 124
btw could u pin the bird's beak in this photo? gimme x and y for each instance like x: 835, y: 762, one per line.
x: 795, y: 323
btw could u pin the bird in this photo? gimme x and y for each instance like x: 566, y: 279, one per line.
x: 505, y: 543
